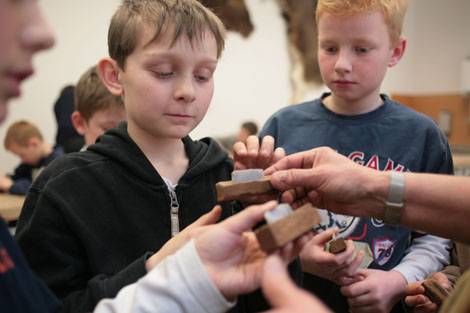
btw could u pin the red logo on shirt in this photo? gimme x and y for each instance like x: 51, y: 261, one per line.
x: 6, y: 262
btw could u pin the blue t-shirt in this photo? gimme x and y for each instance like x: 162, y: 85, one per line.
x: 392, y: 137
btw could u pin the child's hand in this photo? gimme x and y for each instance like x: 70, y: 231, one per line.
x: 378, y: 291
x: 339, y: 268
x: 416, y: 299
x: 252, y: 155
x: 5, y: 183
x: 175, y: 243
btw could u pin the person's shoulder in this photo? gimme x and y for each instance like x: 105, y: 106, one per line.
x: 68, y: 164
x: 409, y: 115
x: 207, y: 155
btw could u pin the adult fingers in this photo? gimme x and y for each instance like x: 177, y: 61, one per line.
x: 289, y: 179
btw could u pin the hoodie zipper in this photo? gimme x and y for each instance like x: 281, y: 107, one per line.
x: 174, y: 210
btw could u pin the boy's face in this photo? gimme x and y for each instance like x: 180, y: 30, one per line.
x: 29, y: 154
x: 98, y: 123
x: 23, y: 32
x: 354, y: 53
x: 167, y: 89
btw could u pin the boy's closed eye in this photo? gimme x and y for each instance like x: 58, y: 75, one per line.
x: 204, y: 75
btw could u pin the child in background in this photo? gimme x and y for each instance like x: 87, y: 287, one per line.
x: 24, y: 140
x: 67, y: 136
x: 357, y: 42
x: 96, y: 109
x: 247, y: 129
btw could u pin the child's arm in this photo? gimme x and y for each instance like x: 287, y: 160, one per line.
x: 21, y: 180
x: 256, y: 155
x: 426, y: 255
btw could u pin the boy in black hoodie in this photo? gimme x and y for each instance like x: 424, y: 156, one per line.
x: 93, y: 220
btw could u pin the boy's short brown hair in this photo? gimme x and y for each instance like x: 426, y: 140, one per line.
x: 20, y: 132
x: 91, y: 95
x: 393, y: 11
x: 187, y: 17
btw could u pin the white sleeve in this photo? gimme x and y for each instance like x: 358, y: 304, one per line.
x: 178, y: 284
x: 426, y: 255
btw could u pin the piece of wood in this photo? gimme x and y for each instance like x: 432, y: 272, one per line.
x: 434, y: 291
x: 337, y: 245
x: 276, y: 235
x: 229, y: 190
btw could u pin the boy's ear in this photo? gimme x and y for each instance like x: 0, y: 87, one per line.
x: 34, y: 142
x: 78, y: 122
x: 398, y: 51
x: 108, y: 70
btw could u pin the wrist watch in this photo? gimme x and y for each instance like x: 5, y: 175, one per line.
x: 395, y: 202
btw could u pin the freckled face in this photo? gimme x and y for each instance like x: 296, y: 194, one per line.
x: 354, y: 54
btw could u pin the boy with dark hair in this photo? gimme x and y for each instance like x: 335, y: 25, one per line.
x: 110, y: 209
x: 96, y: 109
x: 25, y: 140
x: 357, y: 42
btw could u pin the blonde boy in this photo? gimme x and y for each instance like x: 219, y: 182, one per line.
x: 357, y: 42
x: 109, y: 209
x: 24, y: 140
x: 96, y: 109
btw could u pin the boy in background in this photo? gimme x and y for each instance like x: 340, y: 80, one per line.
x: 96, y: 109
x: 110, y: 209
x: 25, y: 140
x: 357, y: 42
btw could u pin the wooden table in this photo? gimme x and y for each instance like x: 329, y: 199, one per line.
x: 10, y: 207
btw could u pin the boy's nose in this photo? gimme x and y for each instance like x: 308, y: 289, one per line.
x: 185, y: 90
x: 37, y: 34
x: 343, y: 63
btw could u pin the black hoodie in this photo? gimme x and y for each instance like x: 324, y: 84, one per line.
x: 92, y: 218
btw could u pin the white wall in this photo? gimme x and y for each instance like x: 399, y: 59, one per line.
x: 252, y: 77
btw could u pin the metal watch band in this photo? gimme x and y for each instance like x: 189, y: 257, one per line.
x: 395, y: 202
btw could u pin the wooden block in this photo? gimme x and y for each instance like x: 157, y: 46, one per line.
x: 276, y: 235
x: 229, y: 190
x: 337, y: 245
x: 434, y: 291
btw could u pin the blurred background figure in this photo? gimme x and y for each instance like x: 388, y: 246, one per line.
x: 67, y: 137
x: 247, y: 129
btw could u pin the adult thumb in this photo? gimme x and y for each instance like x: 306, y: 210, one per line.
x: 292, y: 178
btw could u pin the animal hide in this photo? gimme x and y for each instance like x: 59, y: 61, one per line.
x: 233, y: 14
x: 302, y: 36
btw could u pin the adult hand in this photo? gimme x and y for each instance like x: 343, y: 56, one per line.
x: 378, y: 291
x: 339, y: 268
x: 253, y: 155
x: 282, y: 293
x: 416, y: 299
x: 331, y: 181
x: 231, y: 254
x: 178, y: 241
